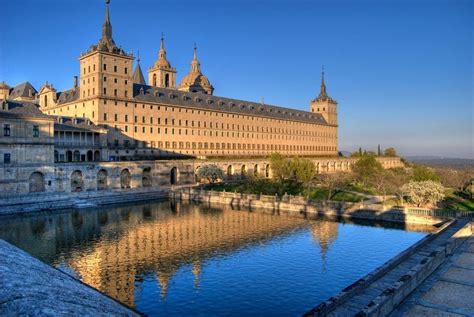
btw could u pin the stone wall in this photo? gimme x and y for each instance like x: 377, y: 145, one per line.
x: 309, y: 207
x: 93, y: 176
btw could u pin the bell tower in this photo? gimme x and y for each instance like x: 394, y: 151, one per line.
x: 324, y: 104
x: 105, y: 69
x: 161, y: 74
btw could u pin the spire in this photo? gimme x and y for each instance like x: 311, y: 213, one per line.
x: 323, y: 84
x: 107, y: 27
x: 195, y: 66
x: 138, y: 74
x: 162, y: 53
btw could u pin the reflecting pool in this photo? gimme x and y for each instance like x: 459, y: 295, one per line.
x: 167, y: 258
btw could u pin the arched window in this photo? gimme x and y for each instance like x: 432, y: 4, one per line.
x: 154, y: 79
x: 125, y: 178
x: 102, y: 180
x: 36, y: 182
x: 77, y: 183
x: 174, y: 176
x: 46, y: 100
x: 167, y: 80
x: 146, y: 177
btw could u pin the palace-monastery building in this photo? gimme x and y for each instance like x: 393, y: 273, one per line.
x: 163, y: 118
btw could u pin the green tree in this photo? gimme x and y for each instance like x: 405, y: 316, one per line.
x: 280, y: 166
x: 424, y: 173
x: 211, y: 172
x: 333, y: 181
x: 390, y: 152
x: 302, y: 169
x: 366, y: 168
x: 424, y: 193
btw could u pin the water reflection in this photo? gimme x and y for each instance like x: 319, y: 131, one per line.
x: 117, y: 249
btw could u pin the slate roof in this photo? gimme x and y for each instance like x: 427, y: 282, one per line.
x: 167, y: 96
x: 75, y: 124
x: 25, y: 89
x: 22, y: 109
x: 67, y: 96
x: 138, y: 75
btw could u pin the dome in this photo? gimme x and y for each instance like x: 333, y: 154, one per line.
x: 162, y: 63
x: 3, y: 85
x: 195, y: 81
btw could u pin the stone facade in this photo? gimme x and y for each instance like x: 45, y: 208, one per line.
x: 162, y: 119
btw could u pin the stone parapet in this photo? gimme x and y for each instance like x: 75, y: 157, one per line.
x: 32, y: 288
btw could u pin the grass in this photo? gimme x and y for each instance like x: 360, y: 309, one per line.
x: 455, y: 200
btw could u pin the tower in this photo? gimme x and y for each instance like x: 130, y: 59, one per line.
x: 161, y: 74
x: 105, y: 69
x: 195, y: 81
x: 324, y: 104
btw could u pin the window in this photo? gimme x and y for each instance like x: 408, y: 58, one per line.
x: 105, y: 93
x: 105, y: 78
x: 115, y: 68
x: 6, y: 130
x: 115, y: 92
x: 105, y: 66
x: 6, y: 158
x: 126, y: 70
x: 36, y: 131
x: 105, y: 117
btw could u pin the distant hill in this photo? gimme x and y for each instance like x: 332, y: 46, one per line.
x: 437, y: 161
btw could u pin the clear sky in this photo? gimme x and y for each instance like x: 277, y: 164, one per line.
x: 400, y: 70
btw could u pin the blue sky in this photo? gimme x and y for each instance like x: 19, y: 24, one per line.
x: 400, y: 70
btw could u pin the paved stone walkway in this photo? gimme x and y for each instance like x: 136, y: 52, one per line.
x: 449, y: 291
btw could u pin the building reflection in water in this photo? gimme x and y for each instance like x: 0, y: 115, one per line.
x: 111, y: 248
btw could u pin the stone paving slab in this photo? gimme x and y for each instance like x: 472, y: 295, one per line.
x: 449, y: 291
x: 422, y: 311
x: 460, y: 275
x: 465, y: 260
x: 451, y: 295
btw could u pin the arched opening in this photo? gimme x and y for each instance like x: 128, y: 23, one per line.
x: 230, y: 171
x: 76, y: 156
x: 90, y: 156
x: 68, y: 156
x: 56, y: 156
x: 174, y: 176
x: 243, y: 171
x: 45, y: 100
x: 146, y: 177
x: 97, y: 156
x: 167, y: 80
x: 77, y: 183
x: 267, y: 171
x: 102, y: 180
x: 154, y: 80
x: 125, y: 179
x: 255, y: 170
x: 36, y: 182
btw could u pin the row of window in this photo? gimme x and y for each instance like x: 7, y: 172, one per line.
x: 7, y: 130
x: 224, y: 146
x: 104, y: 67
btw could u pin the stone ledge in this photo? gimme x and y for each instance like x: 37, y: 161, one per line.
x: 32, y: 288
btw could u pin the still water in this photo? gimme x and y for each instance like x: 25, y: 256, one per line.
x: 178, y: 259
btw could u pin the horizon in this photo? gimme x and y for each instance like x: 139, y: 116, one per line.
x: 409, y: 68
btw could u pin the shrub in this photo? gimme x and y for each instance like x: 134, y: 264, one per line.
x: 212, y: 173
x: 424, y: 193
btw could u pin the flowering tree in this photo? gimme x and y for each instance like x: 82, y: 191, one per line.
x: 210, y: 172
x: 424, y: 193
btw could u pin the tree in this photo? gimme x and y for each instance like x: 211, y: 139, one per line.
x: 302, y: 169
x: 424, y: 193
x: 453, y: 178
x: 280, y: 166
x: 211, y: 172
x: 390, y: 152
x: 333, y: 181
x: 366, y: 168
x: 424, y: 173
